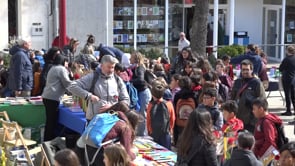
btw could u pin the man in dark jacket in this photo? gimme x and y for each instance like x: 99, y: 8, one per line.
x: 252, y: 56
x: 245, y: 90
x: 243, y: 155
x: 21, y: 72
x: 106, y: 50
x: 287, y: 68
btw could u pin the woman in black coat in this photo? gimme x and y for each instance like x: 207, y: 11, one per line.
x: 287, y: 68
x: 197, y: 144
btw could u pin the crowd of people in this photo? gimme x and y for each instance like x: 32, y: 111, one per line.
x: 187, y: 105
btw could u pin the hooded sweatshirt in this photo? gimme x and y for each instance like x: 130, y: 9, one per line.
x: 243, y: 157
x: 216, y: 115
x: 266, y: 134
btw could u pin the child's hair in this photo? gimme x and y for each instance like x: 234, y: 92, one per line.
x: 66, y: 157
x: 245, y: 140
x: 158, y: 89
x: 117, y: 155
x: 210, y: 76
x: 119, y: 67
x: 225, y: 57
x: 230, y: 106
x: 212, y: 92
x: 162, y: 81
x: 158, y: 67
x: 196, y: 79
x: 219, y: 61
x: 185, y: 82
x: 289, y: 147
x: 176, y: 77
x: 261, y: 102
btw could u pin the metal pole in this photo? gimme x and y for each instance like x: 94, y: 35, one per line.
x: 62, y: 24
x: 282, y: 53
x: 166, y: 27
x: 231, y: 22
x: 215, y: 28
x: 135, y: 25
x: 107, y: 20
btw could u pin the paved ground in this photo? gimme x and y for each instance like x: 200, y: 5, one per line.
x: 276, y: 106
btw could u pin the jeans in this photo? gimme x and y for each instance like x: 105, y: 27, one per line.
x: 145, y: 97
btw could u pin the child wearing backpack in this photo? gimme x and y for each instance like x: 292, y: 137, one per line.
x: 160, y: 116
x: 184, y: 103
x: 269, y: 131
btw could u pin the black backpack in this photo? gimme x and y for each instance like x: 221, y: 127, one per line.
x: 282, y: 139
x: 160, y: 119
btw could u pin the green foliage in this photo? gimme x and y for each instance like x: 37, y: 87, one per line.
x: 6, y: 58
x: 233, y: 50
x: 153, y: 53
x: 125, y: 49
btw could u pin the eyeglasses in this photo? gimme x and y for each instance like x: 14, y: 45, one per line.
x: 207, y: 97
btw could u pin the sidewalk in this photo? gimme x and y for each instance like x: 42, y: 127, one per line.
x: 276, y: 106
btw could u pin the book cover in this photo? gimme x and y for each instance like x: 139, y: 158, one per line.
x: 143, y: 38
x: 161, y: 24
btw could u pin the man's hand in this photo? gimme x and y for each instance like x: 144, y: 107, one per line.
x: 94, y: 98
x: 104, y: 108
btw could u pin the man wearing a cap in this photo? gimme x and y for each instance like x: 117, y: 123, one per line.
x: 109, y: 89
x: 20, y: 79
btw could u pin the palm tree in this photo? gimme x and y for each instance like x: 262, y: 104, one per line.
x: 199, y: 27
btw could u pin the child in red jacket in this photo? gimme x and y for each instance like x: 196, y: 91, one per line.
x: 233, y: 124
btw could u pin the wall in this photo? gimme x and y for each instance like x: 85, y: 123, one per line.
x: 4, y: 24
x: 90, y: 18
x: 248, y: 17
x: 35, y: 11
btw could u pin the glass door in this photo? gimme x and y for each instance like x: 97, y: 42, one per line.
x: 272, y: 28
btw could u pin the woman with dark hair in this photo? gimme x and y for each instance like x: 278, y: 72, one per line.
x: 49, y: 58
x: 56, y: 84
x: 287, y: 154
x: 180, y: 61
x: 197, y: 144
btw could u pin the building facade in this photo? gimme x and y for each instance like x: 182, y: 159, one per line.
x: 151, y: 23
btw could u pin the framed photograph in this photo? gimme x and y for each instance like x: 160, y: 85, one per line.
x: 139, y: 11
x: 119, y: 38
x: 289, y: 38
x: 144, y: 11
x: 130, y: 25
x: 115, y: 38
x: 161, y: 11
x: 125, y: 38
x: 155, y: 10
x: 149, y: 11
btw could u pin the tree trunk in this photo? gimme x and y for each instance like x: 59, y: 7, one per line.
x: 199, y: 28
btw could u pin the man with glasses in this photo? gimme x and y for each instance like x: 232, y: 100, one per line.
x: 245, y: 90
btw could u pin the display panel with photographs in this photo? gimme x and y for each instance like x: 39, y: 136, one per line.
x: 150, y: 25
